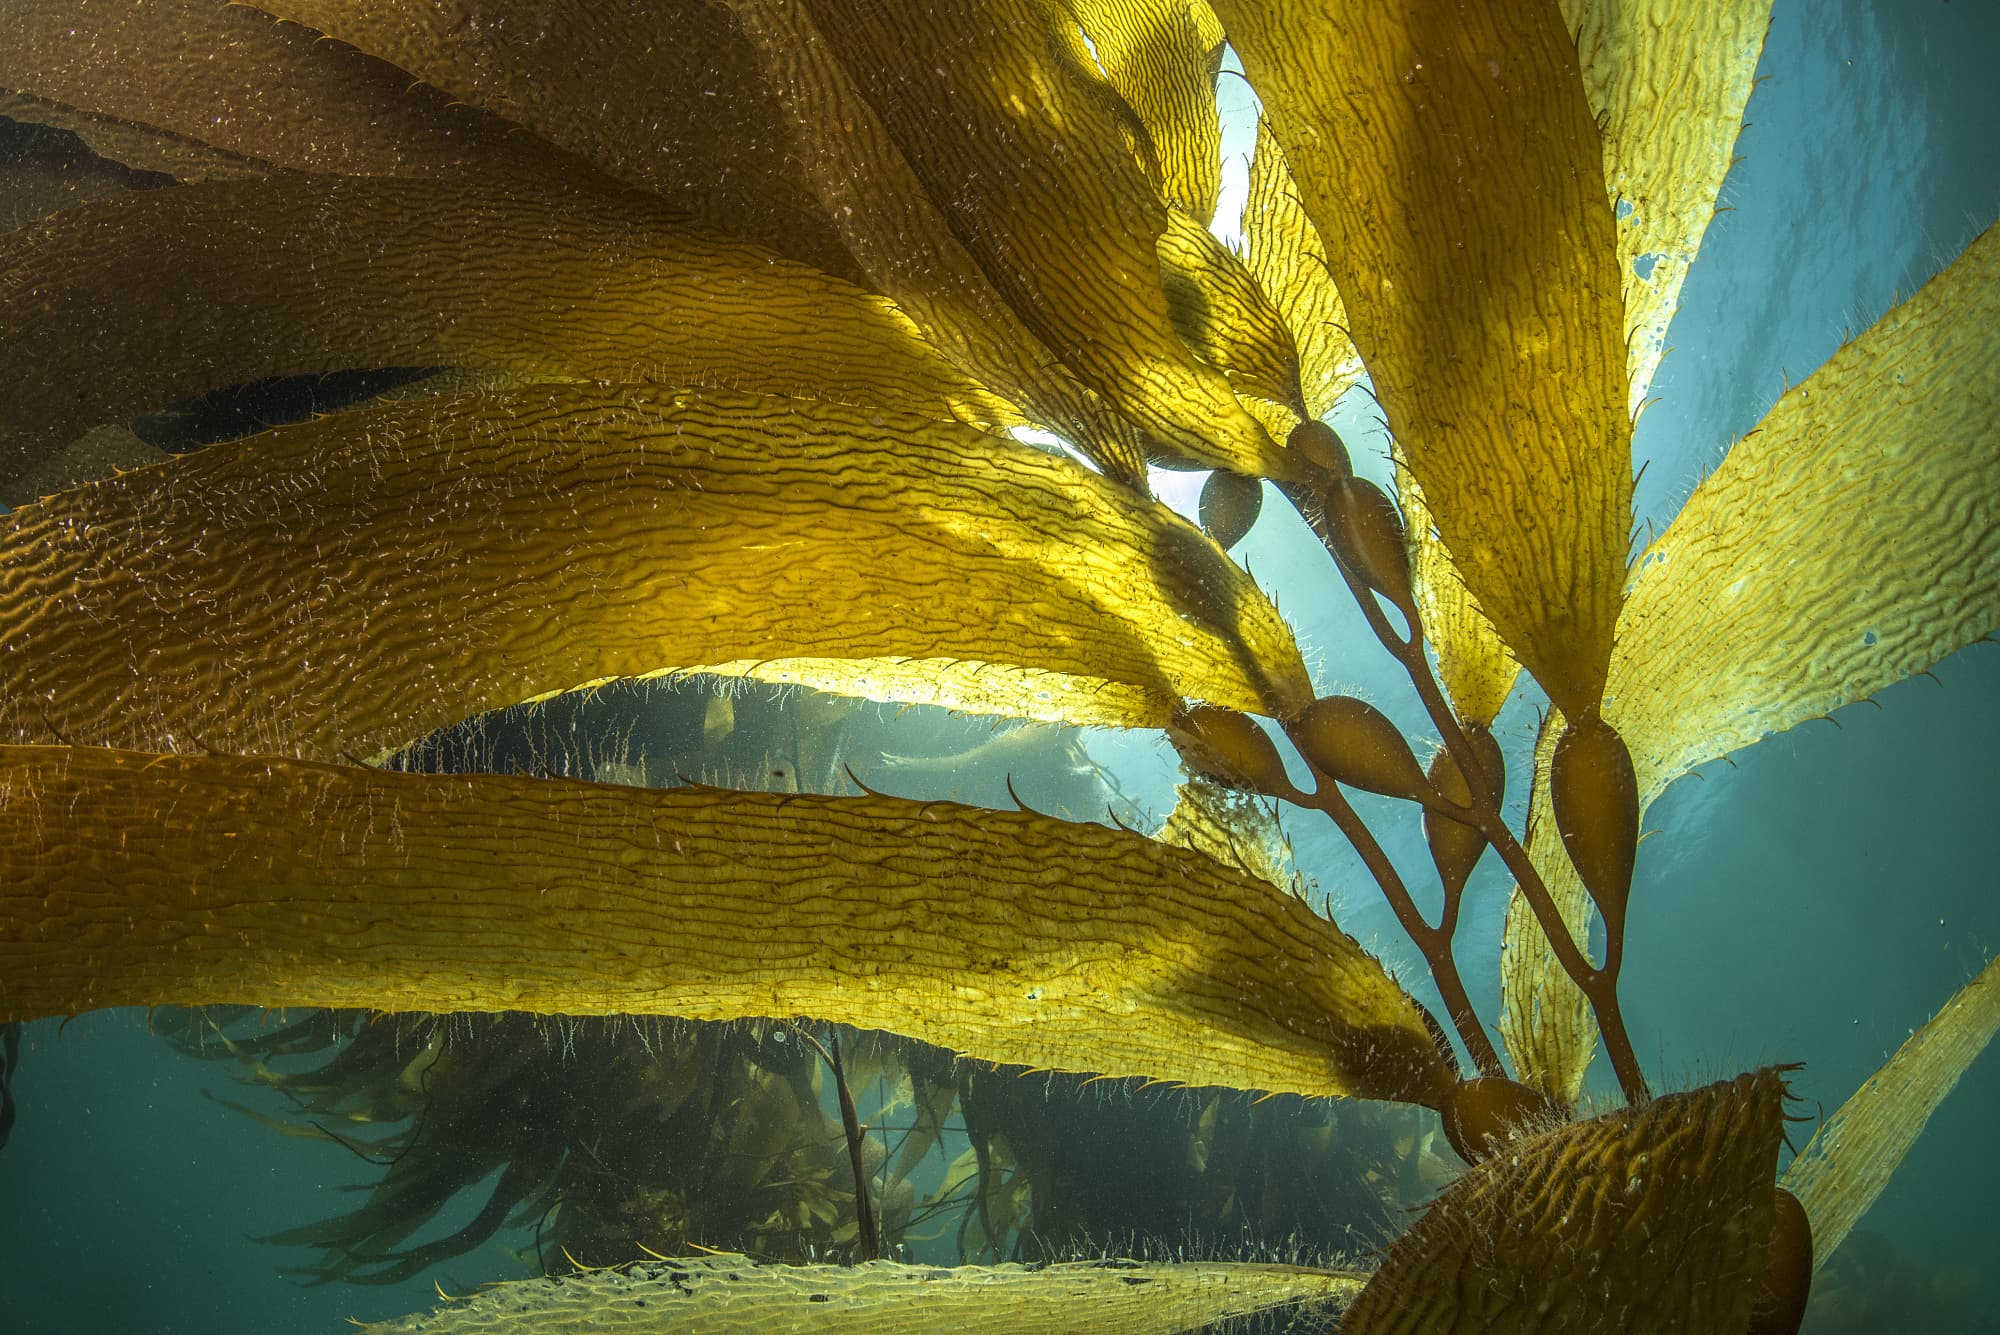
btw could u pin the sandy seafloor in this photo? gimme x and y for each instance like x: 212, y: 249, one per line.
x: 1814, y: 902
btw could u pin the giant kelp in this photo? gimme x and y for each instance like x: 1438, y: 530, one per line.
x: 1020, y: 179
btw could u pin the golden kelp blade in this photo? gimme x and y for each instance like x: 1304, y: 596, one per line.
x: 735, y: 1295
x: 1475, y: 669
x: 204, y: 90
x: 1223, y: 315
x: 668, y: 97
x: 906, y: 247
x: 1648, y: 1219
x: 129, y: 305
x: 1668, y: 82
x: 1857, y: 1150
x: 349, y: 584
x: 1288, y: 260
x: 1033, y: 168
x: 1163, y: 57
x: 1447, y: 156
x: 1012, y: 937
x: 1849, y: 541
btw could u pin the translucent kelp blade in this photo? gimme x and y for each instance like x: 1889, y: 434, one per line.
x: 1223, y: 315
x: 1287, y: 258
x: 907, y: 249
x: 1010, y: 937
x: 202, y: 90
x: 130, y: 305
x: 352, y: 583
x: 1648, y: 1219
x: 1234, y: 827
x: 1669, y: 84
x: 1163, y: 57
x: 1851, y: 540
x: 667, y: 96
x: 1448, y: 158
x: 1851, y: 1159
x: 1545, y: 1020
x: 735, y: 1295
x: 1033, y: 168
x: 1475, y: 668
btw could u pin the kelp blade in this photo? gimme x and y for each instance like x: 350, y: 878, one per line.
x: 207, y: 91
x: 1854, y: 1154
x: 1011, y: 937
x: 1446, y: 154
x: 184, y: 291
x: 1669, y: 84
x: 668, y: 97
x: 1287, y: 257
x: 1035, y: 173
x: 734, y: 1295
x: 1647, y: 1219
x: 1163, y: 57
x: 349, y: 584
x: 906, y: 246
x: 1851, y: 540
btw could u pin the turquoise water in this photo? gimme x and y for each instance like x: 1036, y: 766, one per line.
x: 1813, y: 902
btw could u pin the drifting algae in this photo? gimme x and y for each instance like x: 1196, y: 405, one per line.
x: 245, y: 623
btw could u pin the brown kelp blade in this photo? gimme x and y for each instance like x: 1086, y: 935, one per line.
x: 1851, y: 540
x: 1839, y: 1175
x: 206, y: 91
x: 734, y: 1295
x: 138, y: 879
x: 1034, y: 170
x: 1224, y: 316
x: 127, y: 306
x: 668, y: 97
x: 1647, y: 1219
x: 347, y: 585
x: 1288, y: 259
x: 1446, y: 154
x: 1669, y: 85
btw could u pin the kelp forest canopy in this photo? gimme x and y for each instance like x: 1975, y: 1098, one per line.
x: 803, y: 358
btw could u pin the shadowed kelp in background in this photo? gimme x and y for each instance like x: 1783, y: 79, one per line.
x: 1021, y: 237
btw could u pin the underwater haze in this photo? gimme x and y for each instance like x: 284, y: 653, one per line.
x: 1814, y: 899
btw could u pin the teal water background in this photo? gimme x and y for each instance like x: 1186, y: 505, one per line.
x: 1814, y: 902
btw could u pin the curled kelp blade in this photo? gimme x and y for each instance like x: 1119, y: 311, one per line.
x: 1646, y: 1219
x: 1012, y: 937
x: 203, y: 90
x: 1851, y: 540
x: 1163, y: 57
x: 1452, y: 167
x: 1839, y: 1175
x: 1668, y: 84
x: 1033, y: 168
x: 735, y: 1295
x: 349, y: 584
x: 130, y: 305
x: 668, y: 97
x: 906, y: 247
x: 1288, y: 259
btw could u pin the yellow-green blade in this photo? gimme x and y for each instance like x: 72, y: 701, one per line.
x: 1856, y: 1151
x: 1163, y: 57
x: 1447, y: 157
x: 1011, y: 937
x: 352, y: 583
x: 735, y: 1295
